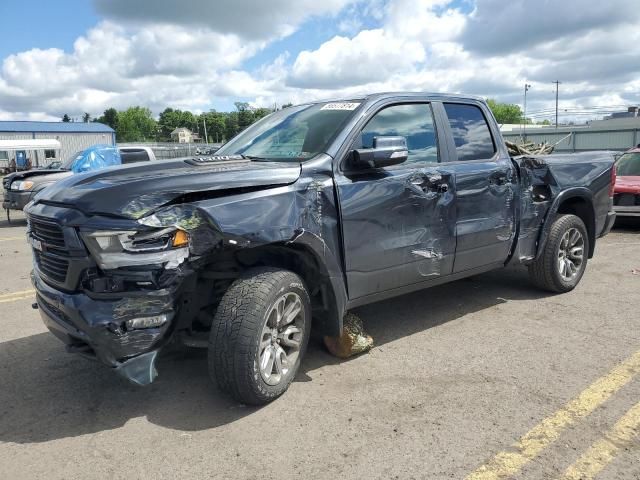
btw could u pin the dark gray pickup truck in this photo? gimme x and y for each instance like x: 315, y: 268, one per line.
x: 313, y: 210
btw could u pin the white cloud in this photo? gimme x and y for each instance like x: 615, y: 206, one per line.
x: 168, y: 55
x: 252, y: 19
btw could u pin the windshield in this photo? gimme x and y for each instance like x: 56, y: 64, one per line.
x: 292, y: 134
x: 628, y: 165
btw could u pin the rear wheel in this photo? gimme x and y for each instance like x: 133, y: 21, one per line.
x: 259, y: 335
x: 561, y: 265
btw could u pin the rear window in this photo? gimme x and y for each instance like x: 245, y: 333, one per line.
x: 628, y: 165
x: 134, y: 155
x: 470, y: 131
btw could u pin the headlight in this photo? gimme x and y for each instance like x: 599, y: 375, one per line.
x: 22, y: 185
x: 114, y: 249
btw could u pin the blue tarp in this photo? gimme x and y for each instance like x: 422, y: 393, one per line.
x: 95, y: 158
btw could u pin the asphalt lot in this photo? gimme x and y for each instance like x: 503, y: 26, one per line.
x: 481, y: 378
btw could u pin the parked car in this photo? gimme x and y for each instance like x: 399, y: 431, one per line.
x: 312, y: 211
x: 21, y: 187
x: 626, y: 198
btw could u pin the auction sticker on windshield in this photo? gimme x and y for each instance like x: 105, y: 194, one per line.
x: 340, y: 106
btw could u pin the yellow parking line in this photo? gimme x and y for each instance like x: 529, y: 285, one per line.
x: 509, y: 462
x: 10, y: 239
x: 12, y: 297
x: 604, y: 450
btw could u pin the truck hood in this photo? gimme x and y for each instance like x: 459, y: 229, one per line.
x: 134, y: 191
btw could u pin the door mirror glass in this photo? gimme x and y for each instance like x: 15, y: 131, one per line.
x: 386, y: 151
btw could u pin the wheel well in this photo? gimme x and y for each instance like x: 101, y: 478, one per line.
x: 221, y: 272
x: 581, y: 208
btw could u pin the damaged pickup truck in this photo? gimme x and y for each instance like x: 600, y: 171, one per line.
x: 312, y: 211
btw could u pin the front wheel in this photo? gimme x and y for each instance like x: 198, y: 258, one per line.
x: 563, y: 261
x: 259, y: 335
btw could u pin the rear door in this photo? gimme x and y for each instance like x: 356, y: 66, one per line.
x: 397, y: 221
x: 484, y: 176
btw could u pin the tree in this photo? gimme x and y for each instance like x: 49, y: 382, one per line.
x: 215, y: 125
x: 544, y: 122
x: 109, y: 117
x: 136, y: 125
x: 65, y: 118
x: 86, y: 118
x: 231, y: 125
x: 171, y: 119
x: 505, y: 112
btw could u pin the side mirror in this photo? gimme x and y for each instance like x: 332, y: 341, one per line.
x: 386, y: 151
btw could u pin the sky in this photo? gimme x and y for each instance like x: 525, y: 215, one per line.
x: 76, y: 56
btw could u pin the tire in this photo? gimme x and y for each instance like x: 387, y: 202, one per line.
x: 246, y: 346
x: 547, y: 272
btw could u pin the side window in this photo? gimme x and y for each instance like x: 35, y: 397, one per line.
x: 470, y: 132
x: 412, y: 121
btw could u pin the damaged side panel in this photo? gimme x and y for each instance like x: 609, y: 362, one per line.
x: 537, y: 185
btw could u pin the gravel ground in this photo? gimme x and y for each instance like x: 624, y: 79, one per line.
x: 459, y: 373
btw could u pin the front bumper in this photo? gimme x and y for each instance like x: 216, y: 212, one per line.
x: 95, y: 326
x: 13, y: 200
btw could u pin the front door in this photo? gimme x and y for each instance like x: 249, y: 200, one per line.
x: 398, y: 221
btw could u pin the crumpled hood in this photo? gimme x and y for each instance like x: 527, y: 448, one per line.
x: 134, y: 191
x: 628, y: 184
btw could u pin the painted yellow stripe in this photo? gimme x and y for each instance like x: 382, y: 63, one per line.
x: 11, y: 297
x: 605, y: 450
x: 14, y: 299
x: 509, y: 462
x: 11, y: 239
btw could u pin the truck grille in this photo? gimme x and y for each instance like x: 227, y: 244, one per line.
x: 52, y: 266
x: 48, y: 233
x: 626, y: 199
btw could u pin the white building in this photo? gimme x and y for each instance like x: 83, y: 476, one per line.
x: 184, y: 135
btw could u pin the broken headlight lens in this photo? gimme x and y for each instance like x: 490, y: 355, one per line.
x: 114, y: 249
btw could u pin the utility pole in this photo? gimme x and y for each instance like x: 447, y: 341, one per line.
x: 206, y: 138
x: 557, y: 88
x: 526, y: 89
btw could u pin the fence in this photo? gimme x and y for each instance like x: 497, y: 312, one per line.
x: 581, y: 140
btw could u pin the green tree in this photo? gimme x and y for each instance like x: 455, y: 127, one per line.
x: 544, y: 122
x: 505, y: 112
x: 258, y: 113
x: 215, y: 125
x: 136, y: 125
x: 65, y: 118
x: 171, y: 119
x: 231, y: 125
x: 109, y: 117
x: 86, y: 118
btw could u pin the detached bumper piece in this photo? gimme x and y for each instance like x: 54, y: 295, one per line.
x: 124, y: 333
